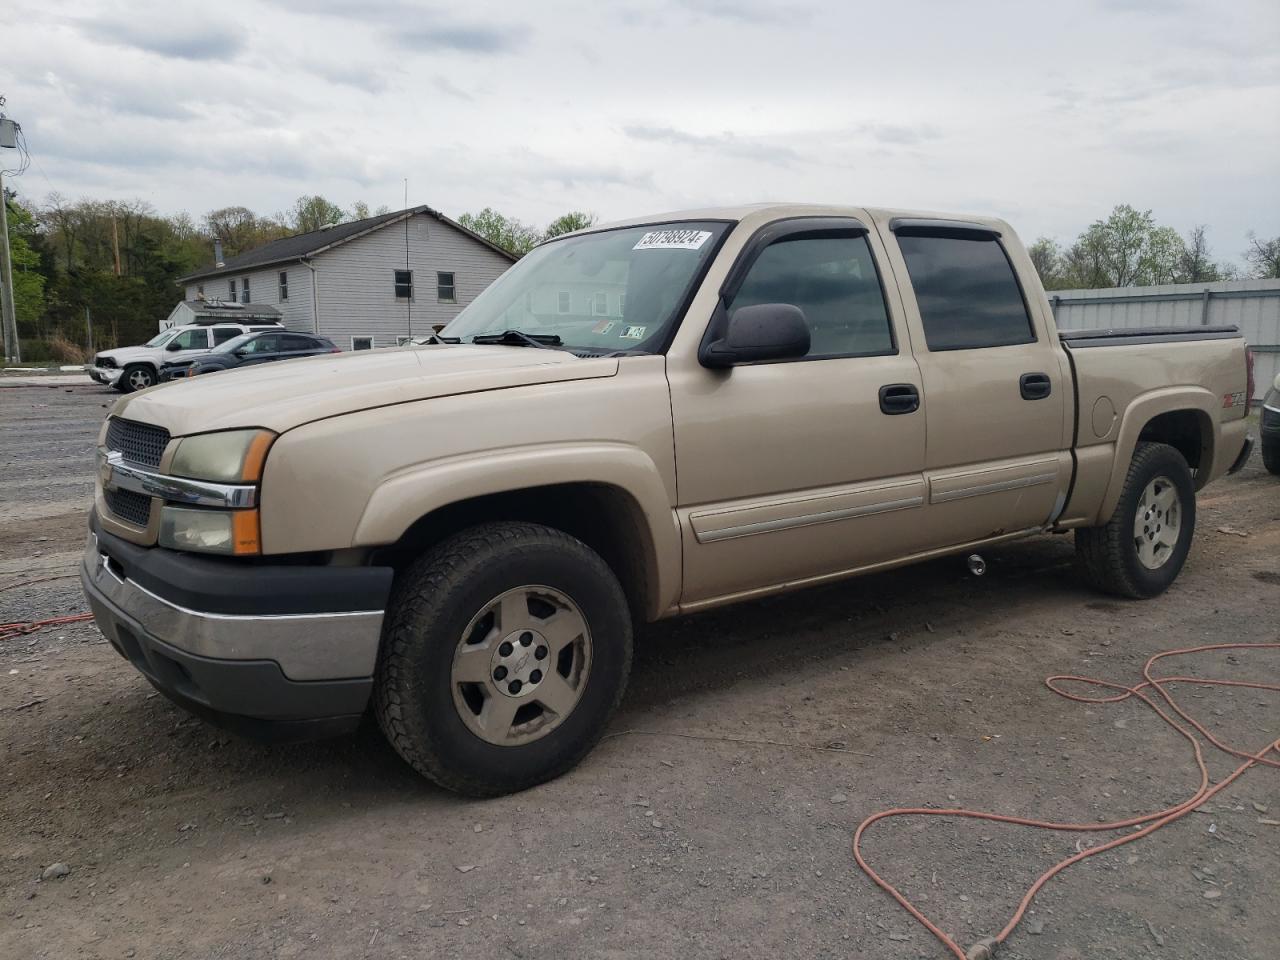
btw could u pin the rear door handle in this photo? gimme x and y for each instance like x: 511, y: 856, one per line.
x: 1035, y: 386
x: 899, y: 398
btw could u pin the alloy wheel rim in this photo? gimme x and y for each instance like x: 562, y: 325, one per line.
x: 139, y: 379
x: 521, y: 665
x: 1157, y: 523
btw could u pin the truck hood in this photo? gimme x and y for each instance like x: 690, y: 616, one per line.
x: 289, y: 393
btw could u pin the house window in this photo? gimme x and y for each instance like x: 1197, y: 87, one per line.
x: 244, y: 290
x: 404, y: 285
x: 444, y: 288
x: 566, y: 301
x: 362, y: 343
x: 622, y: 304
x: 231, y: 285
x: 600, y: 306
x: 199, y: 291
x: 284, y: 285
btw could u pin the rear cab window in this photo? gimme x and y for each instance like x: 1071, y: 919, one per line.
x: 966, y: 289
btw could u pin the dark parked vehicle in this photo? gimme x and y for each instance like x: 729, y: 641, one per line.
x: 250, y: 348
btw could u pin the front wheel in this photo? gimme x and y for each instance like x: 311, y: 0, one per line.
x: 138, y: 376
x: 1139, y: 552
x: 506, y: 651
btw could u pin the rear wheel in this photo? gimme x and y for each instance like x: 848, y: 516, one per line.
x: 1140, y: 551
x: 506, y: 652
x: 137, y: 376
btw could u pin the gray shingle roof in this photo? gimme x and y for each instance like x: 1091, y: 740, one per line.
x: 309, y: 244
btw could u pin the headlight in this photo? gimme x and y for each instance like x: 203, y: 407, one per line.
x: 209, y: 531
x: 232, y: 456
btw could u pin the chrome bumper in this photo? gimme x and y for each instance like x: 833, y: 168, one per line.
x: 105, y: 375
x: 307, y: 647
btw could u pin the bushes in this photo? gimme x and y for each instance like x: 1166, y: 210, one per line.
x: 55, y: 349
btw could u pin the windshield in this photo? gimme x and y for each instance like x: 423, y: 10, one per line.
x: 600, y: 292
x: 160, y: 339
x: 234, y: 343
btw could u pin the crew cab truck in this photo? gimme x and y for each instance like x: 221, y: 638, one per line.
x: 641, y: 420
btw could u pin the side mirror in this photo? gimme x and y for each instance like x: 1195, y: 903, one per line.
x: 173, y: 345
x: 766, y: 331
x: 240, y: 352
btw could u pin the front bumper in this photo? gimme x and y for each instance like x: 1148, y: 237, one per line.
x: 103, y: 375
x: 278, y: 671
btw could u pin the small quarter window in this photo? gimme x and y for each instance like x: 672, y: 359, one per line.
x: 444, y: 288
x: 967, y: 292
x: 284, y: 285
x: 362, y: 343
x: 404, y: 290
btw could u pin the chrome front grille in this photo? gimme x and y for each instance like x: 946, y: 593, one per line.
x: 130, y: 507
x: 141, y: 443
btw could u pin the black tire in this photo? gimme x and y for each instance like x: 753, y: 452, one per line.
x: 1271, y: 454
x: 434, y: 600
x: 1108, y: 555
x: 136, y: 376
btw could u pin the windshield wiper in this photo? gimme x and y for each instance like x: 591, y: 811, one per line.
x: 518, y: 338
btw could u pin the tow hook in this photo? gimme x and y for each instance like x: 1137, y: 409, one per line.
x: 985, y: 948
x: 977, y: 566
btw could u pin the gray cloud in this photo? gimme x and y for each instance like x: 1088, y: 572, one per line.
x: 450, y: 89
x: 748, y: 11
x: 900, y: 134
x: 728, y: 144
x: 167, y: 37
x: 461, y: 37
x: 357, y: 76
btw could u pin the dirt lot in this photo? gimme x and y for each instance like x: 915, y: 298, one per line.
x: 916, y: 687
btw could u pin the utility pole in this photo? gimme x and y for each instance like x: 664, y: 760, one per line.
x: 88, y: 327
x: 12, y: 350
x: 115, y: 243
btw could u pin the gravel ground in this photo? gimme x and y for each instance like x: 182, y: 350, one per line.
x: 715, y: 819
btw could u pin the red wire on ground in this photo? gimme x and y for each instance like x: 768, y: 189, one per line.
x: 1154, y: 821
x: 10, y: 631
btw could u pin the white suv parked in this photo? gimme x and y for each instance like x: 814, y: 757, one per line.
x: 136, y: 368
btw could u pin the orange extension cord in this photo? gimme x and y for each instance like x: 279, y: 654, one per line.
x: 10, y: 631
x: 984, y: 949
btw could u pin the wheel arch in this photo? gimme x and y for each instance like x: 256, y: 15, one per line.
x: 609, y: 496
x: 1183, y: 418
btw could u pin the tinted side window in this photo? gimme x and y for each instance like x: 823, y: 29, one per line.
x: 833, y: 280
x: 293, y: 342
x: 967, y: 292
x: 223, y: 334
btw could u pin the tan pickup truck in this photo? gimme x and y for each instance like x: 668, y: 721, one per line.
x: 641, y: 420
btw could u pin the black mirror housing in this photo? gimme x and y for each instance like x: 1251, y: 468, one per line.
x: 765, y: 331
x: 172, y: 345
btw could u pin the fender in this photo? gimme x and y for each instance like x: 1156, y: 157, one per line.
x: 412, y: 493
x: 1141, y: 411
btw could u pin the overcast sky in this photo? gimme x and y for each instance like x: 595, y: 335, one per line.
x: 1045, y: 113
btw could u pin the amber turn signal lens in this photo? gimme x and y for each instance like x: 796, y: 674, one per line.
x: 245, y: 532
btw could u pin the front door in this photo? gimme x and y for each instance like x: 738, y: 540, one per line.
x: 794, y: 471
x: 996, y: 388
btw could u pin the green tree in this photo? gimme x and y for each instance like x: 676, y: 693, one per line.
x: 1046, y: 256
x: 28, y: 281
x: 1263, y: 257
x: 312, y: 213
x: 502, y: 231
x: 569, y: 222
x: 1126, y: 249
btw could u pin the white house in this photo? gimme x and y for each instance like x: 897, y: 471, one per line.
x: 368, y: 283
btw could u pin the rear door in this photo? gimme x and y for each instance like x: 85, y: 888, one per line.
x: 261, y: 349
x: 996, y: 385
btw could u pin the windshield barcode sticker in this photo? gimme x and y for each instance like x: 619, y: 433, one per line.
x: 673, y: 240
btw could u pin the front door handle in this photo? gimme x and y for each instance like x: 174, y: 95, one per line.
x: 1035, y: 386
x: 899, y: 398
